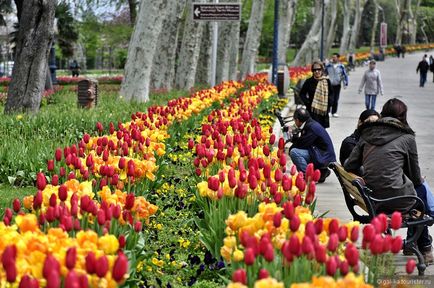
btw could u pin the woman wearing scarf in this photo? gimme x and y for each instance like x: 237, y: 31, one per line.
x: 317, y: 95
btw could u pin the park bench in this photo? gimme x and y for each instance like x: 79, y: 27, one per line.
x: 357, y: 194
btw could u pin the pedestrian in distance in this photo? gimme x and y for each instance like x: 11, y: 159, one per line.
x: 431, y: 66
x: 351, y: 141
x: 337, y: 75
x: 387, y: 157
x: 75, y: 68
x: 317, y: 94
x: 423, y: 68
x: 351, y: 61
x: 311, y: 144
x: 371, y: 80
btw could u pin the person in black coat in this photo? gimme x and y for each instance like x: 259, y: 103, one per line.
x: 312, y: 144
x: 350, y: 142
x: 317, y: 95
x: 423, y: 68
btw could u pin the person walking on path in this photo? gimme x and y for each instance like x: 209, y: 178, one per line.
x: 337, y: 75
x: 373, y: 85
x: 422, y: 68
x: 431, y: 66
x: 317, y: 94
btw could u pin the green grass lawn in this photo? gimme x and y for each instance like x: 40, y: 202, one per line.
x: 27, y: 142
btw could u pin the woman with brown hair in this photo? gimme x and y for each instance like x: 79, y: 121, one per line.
x: 388, y: 156
x: 317, y: 95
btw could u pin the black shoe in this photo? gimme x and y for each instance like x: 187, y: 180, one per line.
x: 324, y: 174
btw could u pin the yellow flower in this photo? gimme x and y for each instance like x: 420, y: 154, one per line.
x: 268, y: 283
x: 236, y: 285
x: 108, y: 243
x: 19, y: 117
x: 27, y: 222
x: 157, y: 262
x: 203, y: 188
x: 230, y: 241
x: 238, y: 255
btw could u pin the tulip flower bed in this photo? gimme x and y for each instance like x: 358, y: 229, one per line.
x: 196, y: 191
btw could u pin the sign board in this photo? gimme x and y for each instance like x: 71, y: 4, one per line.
x: 383, y: 35
x: 216, y: 12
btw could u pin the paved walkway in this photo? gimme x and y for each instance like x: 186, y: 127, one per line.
x: 401, y: 81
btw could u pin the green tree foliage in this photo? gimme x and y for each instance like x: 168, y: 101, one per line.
x: 67, y: 31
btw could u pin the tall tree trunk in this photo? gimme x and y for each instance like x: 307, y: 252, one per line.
x: 331, y: 26
x: 163, y: 67
x: 203, y: 71
x: 132, y: 5
x: 286, y: 20
x: 234, y: 49
x: 222, y: 72
x: 309, y: 48
x: 399, y: 19
x: 190, y: 49
x: 251, y: 44
x: 360, y: 5
x: 33, y: 46
x: 141, y: 50
x: 374, y: 26
x: 346, y: 28
x: 414, y: 22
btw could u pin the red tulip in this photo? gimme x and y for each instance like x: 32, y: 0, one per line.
x: 333, y: 242
x: 309, y: 230
x: 286, y: 183
x: 99, y: 127
x: 294, y: 245
x: 376, y: 223
x: 240, y: 276
x: 9, y: 255
x: 100, y: 215
x: 58, y: 154
x: 294, y: 223
x: 383, y: 220
x: 278, y: 198
x: 102, y: 266
x: 316, y: 175
x: 130, y: 168
x: 55, y: 180
x: 122, y: 163
x: 368, y: 233
x: 396, y: 244
x: 263, y: 274
x: 63, y: 192
x: 320, y: 254
x: 309, y: 170
x: 249, y: 256
x: 396, y: 221
x: 307, y: 246
x: 138, y: 226
x: 11, y: 272
x: 53, y: 200
x: 272, y: 139
x: 53, y: 279
x: 277, y: 219
x: 71, y: 258
x: 50, y: 265
x: 37, y: 200
x: 16, y: 205
x: 50, y: 165
x: 129, y: 201
x: 278, y: 175
x: 352, y: 255
x: 342, y: 233
x: 27, y: 282
x: 293, y: 170
x: 72, y: 280
x: 41, y: 181
x: 213, y: 183
x: 354, y: 233
x: 266, y: 150
x: 387, y: 244
x: 376, y: 246
x: 409, y: 267
x: 62, y: 171
x: 90, y: 263
x: 333, y: 226
x: 319, y: 225
x: 344, y: 268
x: 120, y: 267
x: 331, y: 266
x: 122, y: 241
x: 288, y: 210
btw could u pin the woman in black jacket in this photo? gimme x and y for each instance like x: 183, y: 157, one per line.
x: 388, y: 153
x: 317, y: 95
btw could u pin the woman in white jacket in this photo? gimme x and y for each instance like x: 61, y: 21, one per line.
x: 373, y: 85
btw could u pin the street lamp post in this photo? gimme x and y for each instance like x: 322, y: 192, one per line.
x: 275, y: 42
x: 321, y: 51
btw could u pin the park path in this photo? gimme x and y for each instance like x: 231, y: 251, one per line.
x: 401, y: 81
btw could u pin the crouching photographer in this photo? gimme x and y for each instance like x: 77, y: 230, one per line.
x: 311, y: 144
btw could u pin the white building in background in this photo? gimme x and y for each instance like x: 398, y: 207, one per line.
x: 6, y: 48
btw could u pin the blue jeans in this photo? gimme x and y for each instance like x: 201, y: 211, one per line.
x: 424, y: 193
x: 422, y: 79
x: 300, y: 158
x: 370, y: 101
